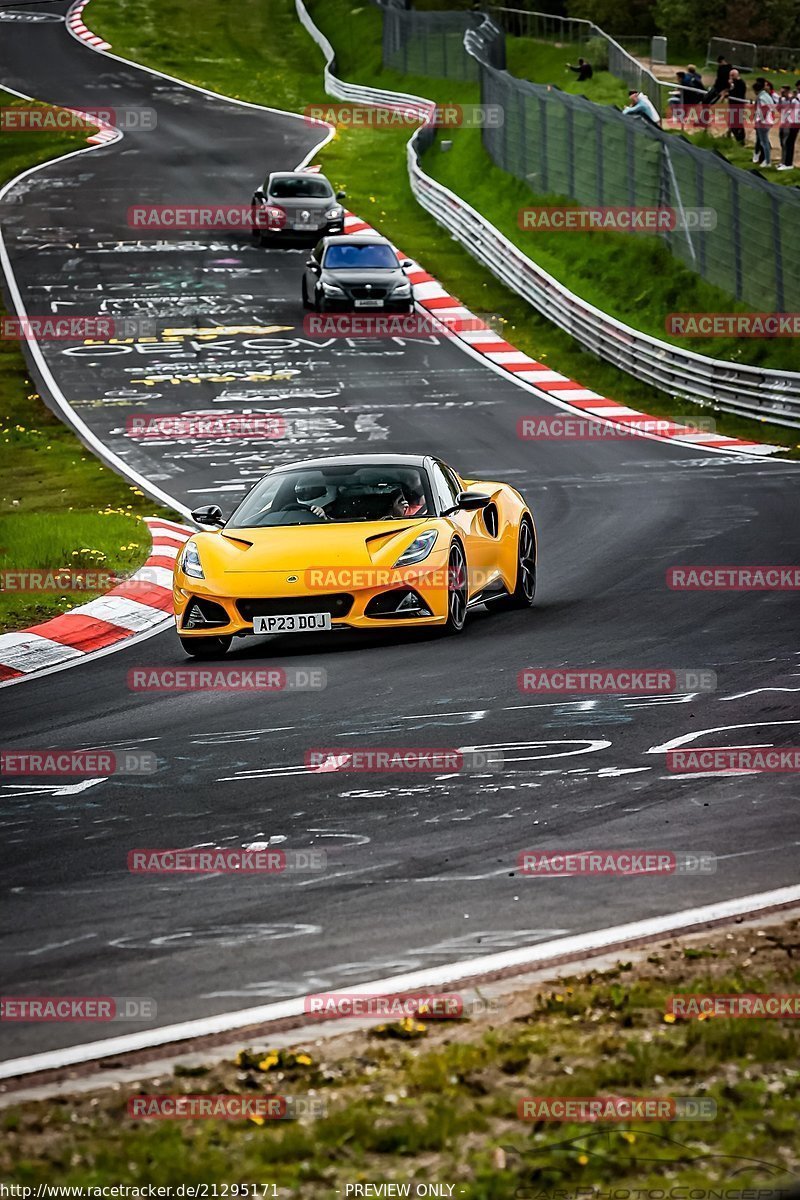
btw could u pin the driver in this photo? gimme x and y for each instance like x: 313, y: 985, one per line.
x: 306, y: 497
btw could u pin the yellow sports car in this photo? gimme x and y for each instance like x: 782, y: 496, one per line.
x: 361, y: 541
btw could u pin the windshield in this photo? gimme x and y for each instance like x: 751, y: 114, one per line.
x: 316, y: 496
x: 301, y: 187
x: 361, y: 258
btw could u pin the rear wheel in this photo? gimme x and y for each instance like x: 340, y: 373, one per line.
x: 206, y: 647
x: 456, y: 590
x: 525, y: 588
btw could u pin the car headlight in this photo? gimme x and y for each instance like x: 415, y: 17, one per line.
x: 420, y: 548
x: 334, y: 213
x: 190, y: 561
x: 330, y: 289
x: 402, y: 289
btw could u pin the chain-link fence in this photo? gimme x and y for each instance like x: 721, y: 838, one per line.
x: 564, y: 145
x: 429, y: 43
x: 750, y: 57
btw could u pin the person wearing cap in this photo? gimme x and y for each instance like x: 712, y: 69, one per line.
x: 642, y: 106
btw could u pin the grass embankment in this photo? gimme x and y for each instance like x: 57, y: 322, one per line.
x: 267, y: 57
x: 438, y: 1102
x: 59, y: 507
x: 546, y: 62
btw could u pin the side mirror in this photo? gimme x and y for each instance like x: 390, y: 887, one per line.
x: 210, y: 514
x: 406, y: 263
x: 259, y: 194
x: 341, y: 195
x: 472, y: 501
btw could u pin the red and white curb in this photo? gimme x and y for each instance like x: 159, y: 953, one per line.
x: 78, y: 29
x: 134, y: 607
x: 486, y: 342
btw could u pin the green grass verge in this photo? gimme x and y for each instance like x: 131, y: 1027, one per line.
x: 268, y: 57
x: 54, y: 494
x: 545, y: 62
x: 437, y: 1102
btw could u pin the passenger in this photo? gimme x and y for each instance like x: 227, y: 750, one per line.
x: 416, y: 502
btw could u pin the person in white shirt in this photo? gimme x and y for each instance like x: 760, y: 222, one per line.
x: 764, y: 120
x: 641, y: 105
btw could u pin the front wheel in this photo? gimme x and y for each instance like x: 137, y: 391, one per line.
x: 456, y: 591
x: 206, y: 647
x: 306, y: 302
x: 524, y: 592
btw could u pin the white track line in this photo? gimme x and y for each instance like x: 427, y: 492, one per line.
x: 522, y: 958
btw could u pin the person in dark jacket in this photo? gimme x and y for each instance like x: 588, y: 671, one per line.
x: 737, y: 98
x: 691, y: 84
x: 584, y: 70
x: 720, y: 83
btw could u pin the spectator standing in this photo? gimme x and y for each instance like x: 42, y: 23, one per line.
x: 692, y: 84
x: 783, y: 116
x: 642, y: 106
x: 790, y: 125
x: 720, y: 83
x: 737, y: 95
x: 764, y: 120
x: 584, y: 70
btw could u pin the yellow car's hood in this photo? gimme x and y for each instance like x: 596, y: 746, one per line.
x: 294, y: 548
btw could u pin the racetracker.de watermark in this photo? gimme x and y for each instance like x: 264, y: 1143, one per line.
x: 88, y: 763
x: 78, y: 1008
x: 227, y: 679
x: 736, y: 116
x: 407, y: 116
x: 66, y: 580
x: 327, y: 578
x: 591, y: 1109
x: 569, y: 218
x: 584, y: 429
x: 610, y: 680
x: 690, y: 1005
x: 328, y: 1006
x: 48, y: 328
x: 43, y: 119
x: 225, y: 1106
x: 369, y: 326
x: 733, y: 579
x: 413, y: 759
x: 203, y: 215
x: 734, y: 758
x: 90, y: 328
x: 733, y: 324
x: 206, y: 426
x: 244, y: 861
x: 551, y: 863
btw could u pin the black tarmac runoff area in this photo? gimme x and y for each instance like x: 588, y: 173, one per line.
x: 421, y: 868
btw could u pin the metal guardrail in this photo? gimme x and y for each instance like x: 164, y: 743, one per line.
x: 739, y: 389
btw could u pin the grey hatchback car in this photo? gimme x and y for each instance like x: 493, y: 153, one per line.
x: 296, y: 204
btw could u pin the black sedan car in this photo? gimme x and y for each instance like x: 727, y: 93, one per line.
x: 296, y: 204
x: 357, y: 272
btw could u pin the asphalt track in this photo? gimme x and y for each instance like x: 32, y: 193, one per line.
x: 421, y: 869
